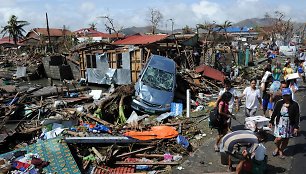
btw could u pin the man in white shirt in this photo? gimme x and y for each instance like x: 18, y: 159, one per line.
x: 252, y: 98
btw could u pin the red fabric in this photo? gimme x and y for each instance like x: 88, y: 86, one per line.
x: 247, y: 166
x: 224, y: 105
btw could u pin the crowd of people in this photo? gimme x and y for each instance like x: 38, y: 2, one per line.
x: 274, y: 94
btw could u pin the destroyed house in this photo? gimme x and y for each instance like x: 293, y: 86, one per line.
x: 119, y: 62
x: 7, y: 42
x: 91, y: 35
x: 40, y: 36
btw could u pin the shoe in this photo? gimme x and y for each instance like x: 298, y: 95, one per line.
x: 274, y: 153
x: 216, y: 148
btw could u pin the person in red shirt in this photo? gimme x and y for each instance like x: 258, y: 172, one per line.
x: 224, y: 117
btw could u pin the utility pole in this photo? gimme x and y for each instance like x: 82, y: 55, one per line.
x: 48, y: 30
x: 172, y: 23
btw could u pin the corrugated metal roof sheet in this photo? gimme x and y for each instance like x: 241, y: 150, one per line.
x: 233, y: 29
x: 140, y: 39
x: 89, y: 32
x: 210, y: 72
x: 102, y: 169
x: 7, y: 40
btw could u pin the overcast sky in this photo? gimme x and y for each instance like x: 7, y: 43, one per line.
x: 76, y: 14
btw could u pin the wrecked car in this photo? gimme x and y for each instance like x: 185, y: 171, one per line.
x: 154, y: 90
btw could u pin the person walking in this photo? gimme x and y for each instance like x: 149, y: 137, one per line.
x: 224, y: 117
x: 277, y: 71
x: 265, y: 88
x: 228, y: 88
x: 292, y: 84
x: 252, y: 98
x: 287, y: 70
x: 285, y: 119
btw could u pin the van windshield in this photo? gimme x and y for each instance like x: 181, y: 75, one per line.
x: 158, y: 79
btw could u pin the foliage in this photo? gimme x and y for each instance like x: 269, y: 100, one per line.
x: 93, y: 26
x: 187, y: 30
x: 14, y: 28
x: 155, y: 17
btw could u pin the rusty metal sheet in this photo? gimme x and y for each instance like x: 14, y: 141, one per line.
x: 210, y: 72
x: 140, y: 39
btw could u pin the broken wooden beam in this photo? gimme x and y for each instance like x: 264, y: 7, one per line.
x: 99, y: 120
x: 98, y: 154
x: 106, y: 140
x: 149, y: 155
x: 146, y: 163
x: 133, y: 152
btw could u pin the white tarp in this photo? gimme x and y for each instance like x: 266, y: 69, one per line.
x: 105, y: 75
x: 287, y: 50
x: 21, y: 71
x: 100, y: 76
x: 96, y: 94
x: 123, y: 76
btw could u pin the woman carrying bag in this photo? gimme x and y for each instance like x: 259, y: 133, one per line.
x: 286, y: 119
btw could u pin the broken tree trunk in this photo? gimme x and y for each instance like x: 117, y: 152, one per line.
x: 121, y: 118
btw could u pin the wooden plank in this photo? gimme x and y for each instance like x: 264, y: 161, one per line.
x: 149, y: 155
x: 99, y: 120
x: 98, y: 154
x: 146, y: 163
x: 133, y: 152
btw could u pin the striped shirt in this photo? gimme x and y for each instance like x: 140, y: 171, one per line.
x: 230, y: 141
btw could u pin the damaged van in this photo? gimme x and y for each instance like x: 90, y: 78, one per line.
x: 154, y: 90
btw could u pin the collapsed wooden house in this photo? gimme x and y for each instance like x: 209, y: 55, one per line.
x: 121, y: 61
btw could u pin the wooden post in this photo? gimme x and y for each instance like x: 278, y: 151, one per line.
x: 49, y: 44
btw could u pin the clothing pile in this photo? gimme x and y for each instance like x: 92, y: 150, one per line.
x: 22, y: 162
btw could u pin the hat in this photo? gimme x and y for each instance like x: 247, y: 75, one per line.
x: 286, y: 91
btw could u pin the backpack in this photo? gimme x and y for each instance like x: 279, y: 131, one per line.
x: 214, y: 119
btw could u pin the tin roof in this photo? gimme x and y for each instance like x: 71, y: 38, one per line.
x: 6, y: 40
x: 102, y: 169
x: 210, y: 72
x: 53, y: 31
x: 140, y: 39
x: 89, y: 32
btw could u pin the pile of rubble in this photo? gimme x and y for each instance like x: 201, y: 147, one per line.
x: 99, y: 127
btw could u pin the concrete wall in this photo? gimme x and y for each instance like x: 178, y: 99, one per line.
x: 57, y: 70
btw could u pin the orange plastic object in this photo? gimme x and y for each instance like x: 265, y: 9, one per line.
x: 156, y: 132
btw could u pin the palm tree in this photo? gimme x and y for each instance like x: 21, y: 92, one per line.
x: 210, y: 28
x: 14, y: 28
x: 93, y: 26
x: 224, y: 27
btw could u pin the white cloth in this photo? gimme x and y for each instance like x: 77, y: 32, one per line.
x: 304, y: 67
x: 232, y: 101
x: 294, y: 86
x: 260, y: 152
x: 302, y: 56
x: 251, y: 97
